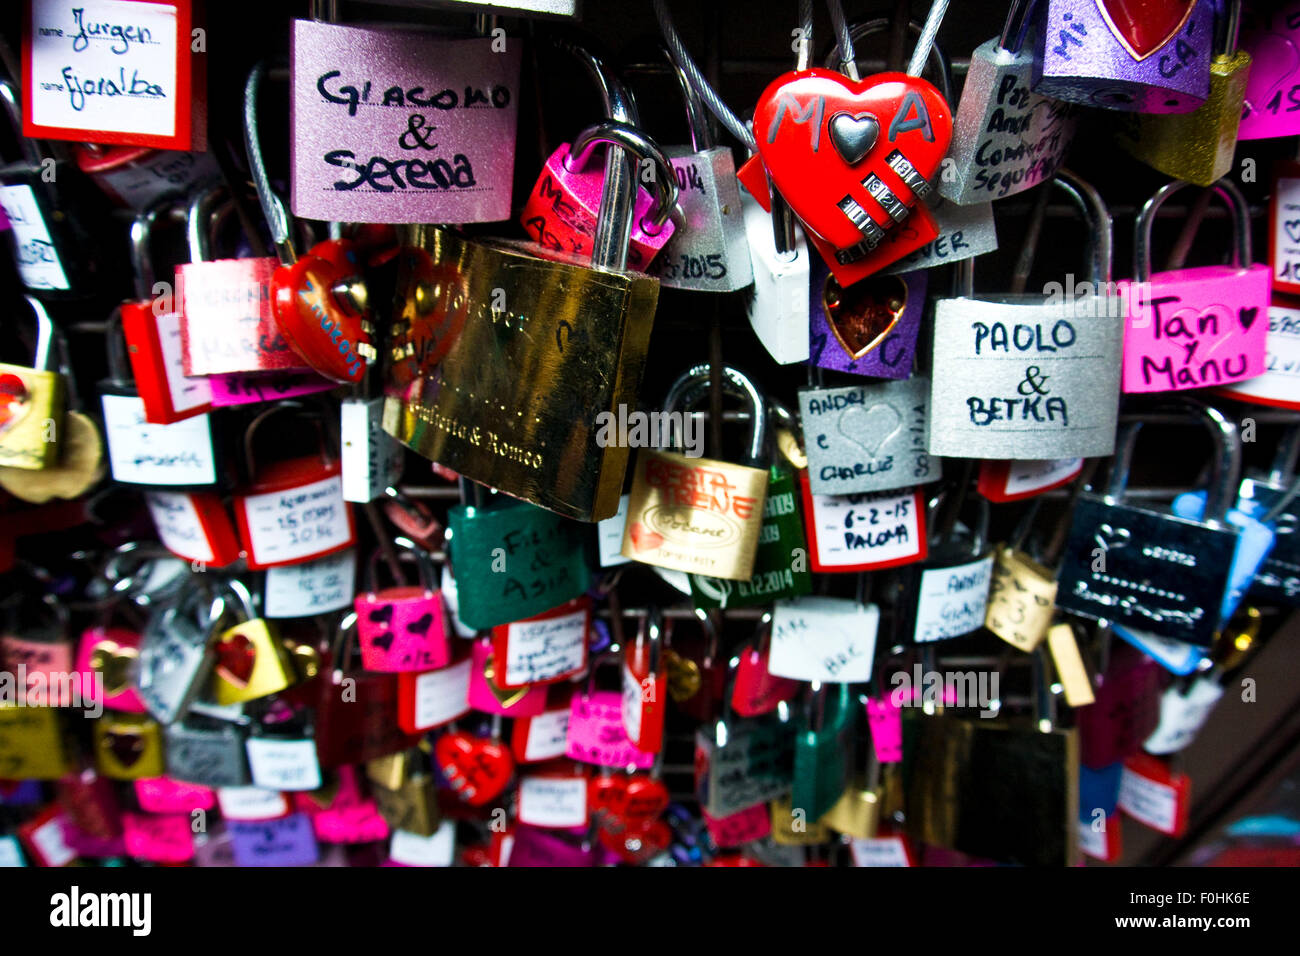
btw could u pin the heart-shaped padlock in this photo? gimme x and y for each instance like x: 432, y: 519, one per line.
x: 477, y: 768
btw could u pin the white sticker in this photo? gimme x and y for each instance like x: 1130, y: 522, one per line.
x: 546, y: 648
x: 448, y: 589
x: 879, y: 851
x: 415, y: 850
x: 1181, y: 715
x: 186, y: 392
x: 251, y: 803
x: 10, y: 854
x: 442, y: 695
x: 548, y: 735
x: 178, y: 525
x: 283, y: 764
x: 609, y: 536
x: 38, y: 260
x: 48, y: 838
x: 313, y: 587
x: 142, y: 453
x: 1093, y: 842
x: 631, y: 706
x: 873, y: 528
x: 831, y: 640
x: 1024, y: 476
x: 953, y: 600
x: 104, y: 65
x: 372, y: 459
x: 553, y: 801
x: 1148, y: 801
x: 297, y: 522
x: 1281, y: 379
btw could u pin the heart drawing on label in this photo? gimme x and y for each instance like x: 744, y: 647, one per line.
x: 421, y: 624
x: 13, y: 401
x: 1111, y: 538
x: 862, y: 315
x: 384, y: 641
x: 870, y: 427
x: 1143, y: 27
x: 853, y: 136
x: 644, y: 539
x: 1292, y: 227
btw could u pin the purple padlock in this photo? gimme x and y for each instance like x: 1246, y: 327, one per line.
x: 1272, y: 106
x: 867, y: 329
x: 1126, y: 55
x: 284, y: 841
x: 534, y: 847
x: 1125, y: 710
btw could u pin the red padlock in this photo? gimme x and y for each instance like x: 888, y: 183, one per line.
x: 756, y: 690
x: 645, y: 684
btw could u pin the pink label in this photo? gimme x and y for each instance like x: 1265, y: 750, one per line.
x: 1272, y: 106
x: 115, y: 650
x: 512, y: 703
x: 753, y: 823
x: 596, y: 732
x: 164, y: 795
x: 226, y: 321
x: 46, y: 664
x: 401, y: 629
x: 886, y: 730
x: 160, y: 839
x: 358, y: 823
x: 248, y: 388
x: 1195, y: 328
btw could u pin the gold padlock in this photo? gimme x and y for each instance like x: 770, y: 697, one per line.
x: 412, y: 807
x: 697, y: 514
x: 790, y: 828
x: 128, y: 746
x: 857, y: 812
x: 251, y: 660
x: 390, y: 770
x: 32, y: 403
x: 32, y: 745
x: 1021, y: 599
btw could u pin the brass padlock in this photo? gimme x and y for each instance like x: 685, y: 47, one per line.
x: 251, y: 660
x: 412, y: 803
x: 1022, y: 594
x: 698, y: 514
x: 857, y: 812
x: 32, y: 402
x: 790, y: 826
x: 32, y: 745
x: 128, y: 746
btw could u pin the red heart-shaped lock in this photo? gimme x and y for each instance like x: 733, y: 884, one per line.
x: 647, y: 797
x: 477, y: 768
x: 607, y: 794
x: 636, y: 843
x: 848, y: 153
x: 326, y: 328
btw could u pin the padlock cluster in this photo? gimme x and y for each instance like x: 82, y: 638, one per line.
x: 358, y: 510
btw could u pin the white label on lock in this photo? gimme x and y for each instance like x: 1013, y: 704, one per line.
x: 371, y: 457
x: 442, y: 695
x: 631, y: 706
x: 831, y: 640
x: 545, y: 649
x: 314, y: 587
x: 448, y: 589
x: 251, y: 803
x: 38, y: 261
x: 879, y: 851
x: 548, y: 735
x: 10, y: 854
x: 178, y: 525
x: 874, y: 528
x: 1280, y: 382
x: 953, y: 600
x: 142, y: 453
x: 1181, y: 715
x: 105, y: 65
x: 1148, y: 801
x: 186, y: 392
x: 609, y: 536
x: 297, y: 522
x: 1286, y: 231
x: 1024, y: 476
x: 415, y: 850
x: 283, y: 764
x: 1093, y: 842
x: 553, y: 801
x: 50, y: 845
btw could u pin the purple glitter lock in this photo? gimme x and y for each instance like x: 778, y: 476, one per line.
x: 1083, y: 57
x: 841, y: 346
x: 401, y: 126
x: 534, y: 847
x: 284, y: 841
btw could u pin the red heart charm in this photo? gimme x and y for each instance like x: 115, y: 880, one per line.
x: 643, y: 539
x: 646, y: 799
x: 236, y: 656
x: 607, y: 794
x: 477, y: 768
x: 852, y: 158
x: 636, y: 844
x: 322, y: 326
x: 1144, y: 26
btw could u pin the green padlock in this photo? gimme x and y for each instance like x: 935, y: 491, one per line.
x: 821, y: 753
x: 513, y: 561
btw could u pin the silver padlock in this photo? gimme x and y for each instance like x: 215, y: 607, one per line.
x: 208, y: 752
x: 1005, y: 138
x: 1032, y: 376
x: 372, y: 459
x: 283, y: 757
x: 175, y: 655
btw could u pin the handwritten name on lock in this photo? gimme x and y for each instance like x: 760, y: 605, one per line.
x: 546, y: 648
x: 868, y: 437
x: 34, y: 253
x: 869, y: 530
x: 398, y: 126
x: 1014, y: 381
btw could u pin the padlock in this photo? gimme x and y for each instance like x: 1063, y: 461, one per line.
x: 857, y: 813
x: 1022, y: 593
x: 128, y: 746
x: 1150, y: 569
x: 411, y: 806
x: 1197, y: 146
x: 740, y: 763
x: 316, y: 587
x: 1277, y: 386
x: 947, y: 595
x: 1125, y: 711
x: 1005, y: 138
x: 824, y: 640
x: 1013, y: 480
x: 645, y: 684
x: 402, y: 628
x: 108, y: 654
x: 207, y: 751
x: 137, y: 177
x: 756, y: 690
x: 1284, y: 229
x: 1153, y: 793
x: 780, y: 263
x: 284, y: 841
x: 194, y: 525
x: 372, y: 459
x: 282, y: 751
x: 37, y: 651
x: 90, y: 803
x: 821, y: 752
x: 545, y: 736
x: 1031, y: 376
x: 1272, y: 38
x: 32, y: 743
x: 441, y: 151
x: 478, y: 768
x: 1153, y: 58
x: 512, y: 561
x: 1277, y: 580
x: 543, y: 649
x: 32, y: 403
x: 681, y: 509
x: 554, y: 796
x: 436, y: 697
x: 250, y: 660
x: 864, y: 532
x: 292, y: 510
x: 596, y: 734
x: 486, y: 693
x: 175, y: 659
x: 870, y: 328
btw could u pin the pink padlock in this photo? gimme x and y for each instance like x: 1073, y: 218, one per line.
x: 562, y: 209
x: 403, y: 628
x: 1125, y: 710
x: 487, y: 696
x: 1272, y: 106
x: 1201, y: 327
x: 109, y: 654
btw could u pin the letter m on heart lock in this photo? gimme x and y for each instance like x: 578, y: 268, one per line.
x: 800, y: 114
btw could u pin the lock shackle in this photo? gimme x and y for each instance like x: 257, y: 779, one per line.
x: 341, y: 643
x: 244, y: 602
x: 638, y: 143
x: 1019, y: 19
x: 943, y: 536
x: 1232, y: 198
x: 119, y: 368
x: 277, y: 217
x: 936, y: 57
x: 13, y: 108
x: 697, y: 117
x: 142, y: 268
x: 326, y: 458
x: 45, y: 334
x: 1284, y: 460
x: 1227, y: 28
x: 694, y: 383
x: 1225, y: 475
x: 654, y: 632
x: 423, y: 564
x: 1094, y: 209
x: 205, y: 204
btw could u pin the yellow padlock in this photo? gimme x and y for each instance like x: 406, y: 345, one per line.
x: 251, y: 660
x: 128, y: 746
x: 32, y: 403
x: 32, y: 745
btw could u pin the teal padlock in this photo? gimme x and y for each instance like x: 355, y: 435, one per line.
x: 513, y: 561
x: 821, y: 763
